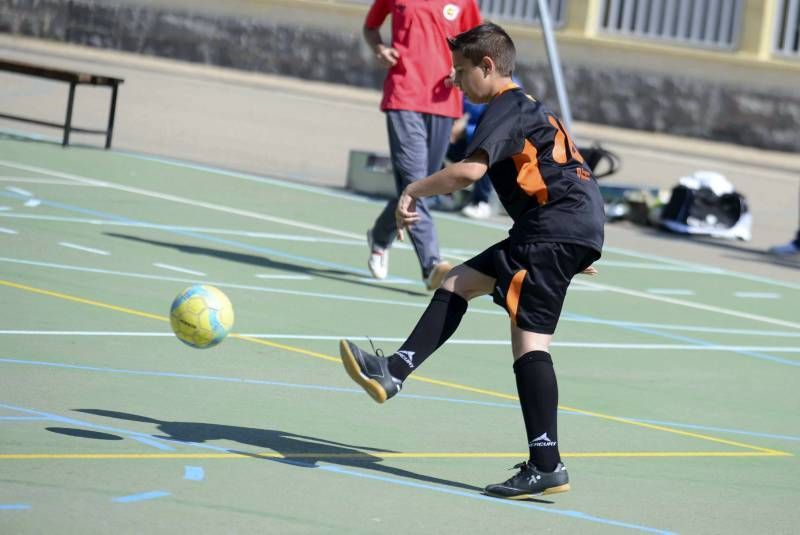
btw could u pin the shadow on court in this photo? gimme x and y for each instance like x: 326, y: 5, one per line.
x: 263, y: 262
x: 297, y: 450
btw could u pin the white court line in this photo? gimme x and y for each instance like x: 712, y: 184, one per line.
x: 703, y: 269
x: 699, y: 306
x: 183, y: 200
x: 4, y: 208
x: 758, y: 295
x: 179, y: 269
x: 283, y: 277
x: 4, y: 230
x: 717, y: 164
x: 19, y: 191
x: 32, y: 203
x: 205, y: 230
x: 28, y: 180
x: 322, y: 191
x: 577, y: 288
x: 451, y: 253
x: 222, y: 284
x: 327, y: 230
x: 84, y: 249
x: 657, y: 267
x: 370, y: 280
x: 669, y: 291
x: 458, y: 341
x: 472, y: 309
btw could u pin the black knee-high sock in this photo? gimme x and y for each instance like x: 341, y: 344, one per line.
x: 538, y: 396
x: 437, y: 324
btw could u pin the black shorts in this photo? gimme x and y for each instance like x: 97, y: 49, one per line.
x: 532, y: 279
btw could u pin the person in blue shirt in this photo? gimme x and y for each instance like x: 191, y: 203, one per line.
x: 460, y: 137
x: 462, y: 133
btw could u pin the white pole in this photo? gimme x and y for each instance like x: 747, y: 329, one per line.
x: 555, y: 63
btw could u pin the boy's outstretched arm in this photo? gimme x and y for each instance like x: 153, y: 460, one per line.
x: 452, y: 178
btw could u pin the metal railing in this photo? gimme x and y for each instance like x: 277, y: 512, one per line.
x: 704, y: 23
x: 522, y: 10
x: 787, y: 28
x: 513, y: 10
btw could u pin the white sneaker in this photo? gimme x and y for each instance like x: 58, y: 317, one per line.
x: 378, y: 262
x: 437, y: 275
x: 482, y: 210
x: 786, y: 249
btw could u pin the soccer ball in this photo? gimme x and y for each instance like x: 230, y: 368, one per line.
x: 201, y: 316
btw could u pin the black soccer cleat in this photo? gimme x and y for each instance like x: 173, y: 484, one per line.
x: 369, y: 371
x: 530, y: 481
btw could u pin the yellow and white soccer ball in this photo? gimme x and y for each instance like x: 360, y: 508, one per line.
x: 201, y: 316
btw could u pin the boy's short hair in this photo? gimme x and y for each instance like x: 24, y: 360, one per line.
x: 487, y: 39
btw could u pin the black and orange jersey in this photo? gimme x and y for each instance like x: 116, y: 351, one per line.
x: 540, y: 177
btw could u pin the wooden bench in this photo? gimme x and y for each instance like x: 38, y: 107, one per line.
x: 74, y: 79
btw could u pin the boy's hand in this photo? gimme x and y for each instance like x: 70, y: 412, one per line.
x: 405, y: 214
x: 450, y: 79
x: 591, y: 271
x: 387, y: 56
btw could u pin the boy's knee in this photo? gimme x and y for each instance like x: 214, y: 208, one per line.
x: 467, y: 282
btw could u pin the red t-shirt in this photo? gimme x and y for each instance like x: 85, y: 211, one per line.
x: 420, y: 29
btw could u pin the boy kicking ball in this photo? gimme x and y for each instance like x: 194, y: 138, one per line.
x: 555, y: 203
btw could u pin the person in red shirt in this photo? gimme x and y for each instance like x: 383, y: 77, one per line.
x: 420, y: 103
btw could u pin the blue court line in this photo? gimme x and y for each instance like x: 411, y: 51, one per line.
x: 696, y: 341
x: 717, y: 429
x: 221, y: 284
x: 461, y: 220
x: 485, y: 224
x: 343, y: 471
x: 286, y: 182
x: 196, y: 473
x: 128, y: 433
x: 510, y: 503
x: 21, y: 418
x: 204, y: 237
x: 193, y: 473
x: 150, y: 442
x: 676, y: 327
x: 14, y: 506
x: 567, y: 316
x: 122, y: 371
x: 146, y: 438
x: 152, y: 495
x: 709, y: 269
x: 79, y: 423
x: 270, y: 251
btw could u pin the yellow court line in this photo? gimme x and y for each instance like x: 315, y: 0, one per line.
x: 82, y: 300
x: 762, y: 450
x: 375, y: 455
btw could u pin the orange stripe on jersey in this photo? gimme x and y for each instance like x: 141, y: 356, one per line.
x: 512, y: 296
x: 559, y: 143
x: 529, y: 177
x: 509, y: 87
x: 572, y: 148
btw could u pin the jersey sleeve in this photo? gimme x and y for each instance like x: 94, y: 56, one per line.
x: 498, y: 134
x: 377, y: 13
x: 471, y: 17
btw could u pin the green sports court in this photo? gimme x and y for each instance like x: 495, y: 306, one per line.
x: 677, y: 379
x: 230, y: 166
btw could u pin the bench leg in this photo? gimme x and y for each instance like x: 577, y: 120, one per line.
x: 112, y: 112
x: 68, y: 122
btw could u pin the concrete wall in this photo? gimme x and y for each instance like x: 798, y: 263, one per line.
x: 629, y: 90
